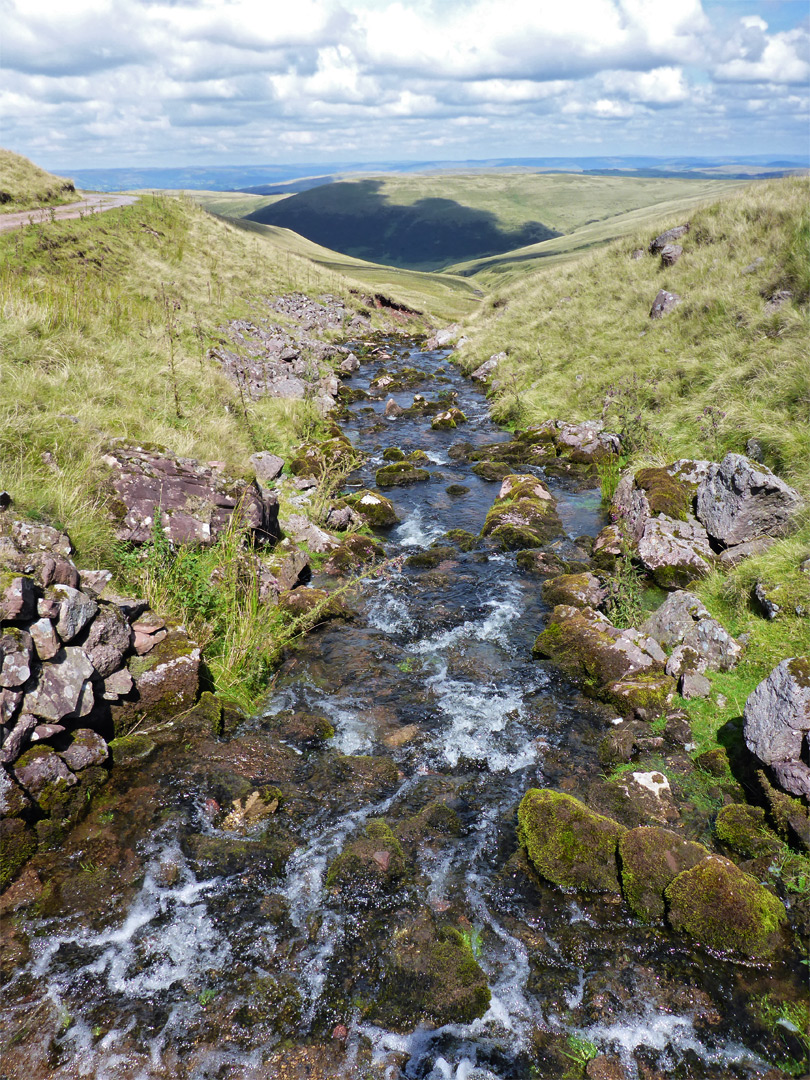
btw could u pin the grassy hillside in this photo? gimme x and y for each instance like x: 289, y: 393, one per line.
x: 24, y: 185
x: 429, y: 222
x: 232, y: 204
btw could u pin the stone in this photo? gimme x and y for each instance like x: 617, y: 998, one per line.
x: 741, y: 500
x: 195, y: 503
x: 670, y: 253
x: 744, y: 829
x: 75, y: 610
x: 117, y: 685
x: 18, y: 598
x: 764, y: 604
x: 694, y: 685
x: 578, y: 590
x: 683, y: 620
x: 663, y: 304
x: 10, y: 701
x: 87, y: 748
x: 567, y: 843
x: 777, y: 723
x: 354, y: 551
x: 349, y: 364
x: 482, y: 373
x: 399, y: 473
x: 32, y: 538
x: 524, y: 515
x: 646, y: 695
x: 652, y: 857
x: 714, y: 645
x: 450, y: 418
x: 303, y: 531
x: 43, y: 732
x: 17, y: 739
x: 16, y: 657
x: 57, y: 570
x: 167, y: 680
x: 584, y: 443
x: 267, y: 466
x: 17, y: 844
x: 650, y: 795
x: 675, y: 552
x: 341, y: 518
x: 40, y: 768
x: 733, y: 556
x: 289, y: 566
x: 63, y: 688
x: 660, y: 242
x: 726, y: 910
x: 44, y: 637
x: 109, y: 640
x: 94, y: 582
x: 392, y: 409
x: 369, y: 869
x: 670, y: 623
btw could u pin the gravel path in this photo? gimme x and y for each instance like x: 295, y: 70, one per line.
x: 93, y: 204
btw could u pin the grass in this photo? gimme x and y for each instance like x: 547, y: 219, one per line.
x: 24, y: 186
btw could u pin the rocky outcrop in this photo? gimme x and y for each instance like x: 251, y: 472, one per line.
x: 777, y: 724
x: 577, y: 590
x: 195, y: 503
x: 740, y: 501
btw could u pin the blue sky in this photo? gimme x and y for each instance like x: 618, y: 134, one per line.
x: 106, y: 83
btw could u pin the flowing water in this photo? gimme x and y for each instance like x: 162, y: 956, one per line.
x: 167, y: 946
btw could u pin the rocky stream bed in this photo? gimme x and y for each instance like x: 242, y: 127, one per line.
x: 342, y: 885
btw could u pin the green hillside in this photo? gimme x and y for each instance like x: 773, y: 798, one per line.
x: 24, y: 185
x: 435, y: 221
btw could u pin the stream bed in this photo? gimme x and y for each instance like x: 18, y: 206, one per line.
x: 167, y: 945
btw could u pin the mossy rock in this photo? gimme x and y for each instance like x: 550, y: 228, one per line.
x: 436, y: 821
x: 313, y: 459
x: 308, y: 731
x: 650, y: 859
x: 376, y: 509
x: 492, y: 470
x: 431, y: 557
x: 457, y: 490
x: 418, y: 457
x: 514, y: 451
x: 430, y: 977
x: 316, y: 602
x: 205, y: 719
x: 370, y: 869
x: 567, y: 843
x: 522, y: 523
x: 393, y: 453
x: 532, y: 561
x: 224, y: 855
x: 464, y: 541
x: 581, y: 647
x: 580, y: 590
x: 790, y: 815
x: 354, y: 552
x: 18, y: 843
x: 398, y: 473
x: 647, y: 694
x: 665, y: 494
x: 744, y: 830
x: 726, y: 910
x: 130, y: 750
x: 448, y: 419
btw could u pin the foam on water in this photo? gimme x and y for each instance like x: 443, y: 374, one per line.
x: 502, y: 613
x: 388, y: 611
x: 415, y: 532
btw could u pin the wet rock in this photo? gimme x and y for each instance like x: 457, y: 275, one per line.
x: 740, y: 501
x: 450, y: 418
x: 369, y: 869
x: 651, y: 858
x: 777, y: 723
x: 670, y: 253
x: 167, y: 681
x: 492, y: 470
x: 308, y: 601
x: 744, y: 829
x: 430, y: 976
x: 457, y: 490
x: 523, y: 515
x: 399, y: 473
x: 16, y: 657
x: 675, y: 552
x: 44, y: 637
x: 63, y: 687
x: 482, y: 373
x: 354, y: 552
x: 601, y: 1067
x: 392, y: 409
x: 18, y: 598
x: 40, y: 769
x: 578, y: 590
x: 109, y: 640
x: 267, y: 466
x: 726, y: 910
x: 195, y: 502
x: 393, y: 453
x: 694, y: 685
x: 17, y: 844
x: 660, y: 242
x: 303, y: 531
x: 377, y: 511
x: 567, y: 843
x: 663, y: 304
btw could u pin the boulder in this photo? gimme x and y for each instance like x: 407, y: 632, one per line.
x: 482, y: 373
x: 44, y: 637
x: 76, y: 610
x: 304, y: 531
x: 670, y: 253
x: 33, y: 538
x: 694, y: 685
x: 369, y: 869
x: 195, y: 502
x: 376, y: 509
x: 10, y: 701
x: 700, y: 642
x: 16, y: 657
x: 354, y: 551
x: 167, y: 680
x: 726, y: 910
x: 741, y: 500
x: 63, y: 688
x: 675, y: 552
x: 109, y: 640
x: 400, y: 472
x: 18, y: 598
x: 744, y: 829
x: 17, y: 739
x: 450, y: 418
x: 567, y: 843
x: 660, y: 242
x: 349, y: 364
x: 670, y: 623
x: 777, y: 724
x: 267, y: 466
x: 524, y: 515
x: 392, y: 409
x: 577, y: 590
x: 41, y: 768
x: 289, y: 566
x: 583, y: 444
x: 651, y: 858
x: 86, y: 749
x: 663, y: 304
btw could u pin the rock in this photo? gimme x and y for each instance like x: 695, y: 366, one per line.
x: 651, y: 858
x: 445, y: 337
x: 41, y: 768
x: 663, y: 304
x: 567, y: 843
x: 94, y: 582
x: 675, y: 552
x: 167, y: 681
x: 392, y: 409
x: 44, y: 637
x: 377, y: 511
x: 694, y: 685
x: 777, y: 723
x: 17, y: 739
x: 524, y: 515
x: 10, y: 701
x: 32, y: 538
x: 637, y: 253
x: 683, y: 620
x: 644, y: 695
x: 726, y: 910
x: 369, y: 869
x: 17, y: 844
x: 109, y: 640
x: 578, y: 590
x: 740, y: 501
x: 117, y: 685
x: 583, y: 444
x: 670, y: 253
x: 393, y: 453
x: 289, y: 566
x: 763, y: 603
x: 400, y: 472
x: 734, y: 555
x: 609, y: 546
x: 649, y: 794
x: 660, y: 242
x: 303, y: 531
x: 349, y: 364
x: 18, y: 598
x: 482, y: 373
x: 196, y: 503
x: 670, y: 623
x: 75, y: 610
x: 716, y: 648
x: 341, y: 518
x: 354, y: 552
x: 63, y: 688
x: 267, y: 466
x: 87, y: 748
x: 743, y: 828
x: 16, y: 657
x: 601, y: 1067
x: 492, y: 470
x: 43, y: 732
x: 450, y: 418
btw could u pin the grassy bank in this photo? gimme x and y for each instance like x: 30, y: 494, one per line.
x: 24, y: 186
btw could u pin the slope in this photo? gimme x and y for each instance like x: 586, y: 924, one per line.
x: 24, y: 185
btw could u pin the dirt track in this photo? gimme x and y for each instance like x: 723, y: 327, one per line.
x: 93, y: 204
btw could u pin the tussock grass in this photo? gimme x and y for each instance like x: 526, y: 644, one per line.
x: 721, y: 368
x: 23, y: 185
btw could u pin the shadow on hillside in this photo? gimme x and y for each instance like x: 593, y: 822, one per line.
x: 356, y: 218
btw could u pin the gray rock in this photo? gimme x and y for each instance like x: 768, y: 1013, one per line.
x: 63, y: 688
x: 17, y: 739
x: 754, y: 451
x: 695, y: 685
x: 32, y: 538
x: 75, y: 610
x: 109, y: 640
x: 758, y: 261
x: 303, y: 531
x: 392, y: 409
x: 289, y: 566
x: 342, y: 518
x: 690, y: 471
x: 10, y: 701
x: 42, y: 732
x: 763, y: 603
x: 740, y: 501
x: 670, y: 623
x: 267, y: 466
x: 117, y: 685
x: 16, y: 657
x: 777, y: 721
x: 44, y: 637
x: 670, y: 253
x: 675, y: 552
x: 18, y: 601
x: 94, y: 582
x: 482, y: 373
x: 663, y: 304
x: 46, y: 768
x: 349, y: 364
x: 683, y: 659
x: 714, y: 645
x: 88, y: 748
x: 638, y: 253
x: 660, y: 242
x: 734, y: 555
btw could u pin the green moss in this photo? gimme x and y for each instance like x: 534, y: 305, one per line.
x: 492, y: 470
x: 369, y: 869
x: 665, y: 494
x: 376, y: 509
x: 743, y: 829
x: 568, y: 589
x: 398, y: 473
x: 647, y: 693
x: 430, y: 557
x: 726, y: 910
x: 130, y: 750
x: 650, y: 859
x: 393, y: 453
x: 353, y: 552
x: 418, y: 457
x: 568, y: 844
x: 523, y: 523
x: 17, y: 844
x: 464, y: 541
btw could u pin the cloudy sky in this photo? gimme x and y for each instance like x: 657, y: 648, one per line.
x: 105, y: 83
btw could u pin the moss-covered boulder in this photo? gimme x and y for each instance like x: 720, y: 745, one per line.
x: 726, y: 910
x: 355, y: 551
x: 450, y: 418
x: 647, y: 694
x: 464, y: 541
x: 369, y: 869
x: 492, y: 470
x: 524, y: 515
x: 567, y: 843
x: 398, y: 473
x: 316, y: 459
x: 665, y: 493
x: 457, y: 490
x: 430, y: 976
x: 418, y: 457
x: 431, y: 557
x: 579, y: 590
x: 393, y: 453
x: 314, y: 602
x: 743, y: 829
x: 167, y: 681
x: 265, y: 855
x: 650, y: 859
x: 375, y: 509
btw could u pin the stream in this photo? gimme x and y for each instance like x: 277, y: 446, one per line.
x: 167, y: 946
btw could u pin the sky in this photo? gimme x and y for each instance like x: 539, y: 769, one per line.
x: 121, y: 83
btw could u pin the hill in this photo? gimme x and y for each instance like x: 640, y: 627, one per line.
x: 24, y: 185
x: 434, y: 221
